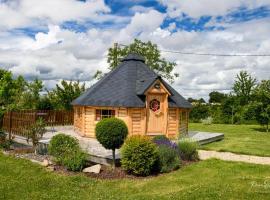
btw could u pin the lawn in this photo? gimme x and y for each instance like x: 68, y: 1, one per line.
x: 211, y: 179
x: 242, y: 139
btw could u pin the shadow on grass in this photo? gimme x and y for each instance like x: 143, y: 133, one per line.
x: 261, y: 129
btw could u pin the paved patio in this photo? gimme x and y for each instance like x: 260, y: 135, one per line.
x: 93, y: 147
x: 97, y: 153
x: 90, y: 145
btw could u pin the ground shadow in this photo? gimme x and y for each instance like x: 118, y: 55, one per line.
x: 261, y: 129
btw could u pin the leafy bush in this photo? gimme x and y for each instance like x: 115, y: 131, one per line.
x: 111, y: 133
x: 168, y: 154
x: 67, y: 152
x: 61, y: 145
x: 35, y: 132
x: 188, y: 149
x: 207, y: 121
x: 168, y: 159
x: 160, y: 138
x: 198, y: 112
x: 139, y: 156
x: 75, y: 161
x: 163, y: 140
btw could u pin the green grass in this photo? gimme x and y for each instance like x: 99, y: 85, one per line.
x: 242, y: 139
x: 211, y: 179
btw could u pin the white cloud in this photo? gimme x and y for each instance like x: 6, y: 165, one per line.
x: 25, y: 13
x: 64, y: 54
x: 196, y: 9
x: 145, y: 22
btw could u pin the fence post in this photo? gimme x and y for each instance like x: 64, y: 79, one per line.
x: 10, y: 125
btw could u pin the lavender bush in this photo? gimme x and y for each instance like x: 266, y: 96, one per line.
x: 164, y: 141
x: 169, y: 157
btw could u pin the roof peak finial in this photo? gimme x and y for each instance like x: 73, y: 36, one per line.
x: 134, y: 56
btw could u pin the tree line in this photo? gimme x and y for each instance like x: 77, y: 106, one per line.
x: 248, y: 103
x: 20, y: 94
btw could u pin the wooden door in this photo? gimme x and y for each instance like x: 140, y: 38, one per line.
x: 155, y: 114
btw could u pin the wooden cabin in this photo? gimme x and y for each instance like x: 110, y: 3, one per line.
x: 137, y: 95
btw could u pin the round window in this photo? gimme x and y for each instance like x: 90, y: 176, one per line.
x: 154, y: 105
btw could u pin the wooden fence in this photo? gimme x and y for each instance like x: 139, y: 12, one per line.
x: 17, y: 122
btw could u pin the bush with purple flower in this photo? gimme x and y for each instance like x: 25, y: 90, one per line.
x: 169, y: 158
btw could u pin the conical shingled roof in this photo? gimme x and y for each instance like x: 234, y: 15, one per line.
x: 125, y: 87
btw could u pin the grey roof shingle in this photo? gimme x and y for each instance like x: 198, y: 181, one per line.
x: 125, y: 87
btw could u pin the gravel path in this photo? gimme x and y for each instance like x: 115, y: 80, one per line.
x: 204, y: 155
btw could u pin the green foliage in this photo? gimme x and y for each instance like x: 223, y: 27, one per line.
x: 199, y: 112
x: 45, y: 103
x: 158, y: 138
x: 67, y: 152
x: 188, y: 149
x: 207, y: 121
x: 7, y: 88
x: 62, y: 96
x: 168, y: 159
x: 62, y: 144
x: 35, y: 132
x: 216, y: 97
x: 243, y: 87
x: 262, y: 103
x: 111, y: 133
x: 31, y: 94
x: 139, y: 156
x: 74, y: 160
x: 149, y: 51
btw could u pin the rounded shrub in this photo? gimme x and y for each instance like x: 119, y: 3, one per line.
x: 111, y: 133
x: 62, y: 145
x: 188, y: 149
x: 139, y: 156
x: 168, y: 159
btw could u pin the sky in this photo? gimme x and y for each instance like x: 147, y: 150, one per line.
x: 68, y: 39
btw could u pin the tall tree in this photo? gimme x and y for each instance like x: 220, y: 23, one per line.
x: 6, y: 87
x: 243, y: 86
x: 262, y: 103
x: 216, y: 97
x: 30, y: 96
x: 151, y: 54
x: 65, y: 93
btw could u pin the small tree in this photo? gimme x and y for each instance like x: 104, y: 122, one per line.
x: 244, y: 86
x: 149, y: 51
x: 111, y: 133
x: 36, y: 132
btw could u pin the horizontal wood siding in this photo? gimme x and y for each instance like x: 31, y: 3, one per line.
x: 183, y: 122
x: 136, y: 121
x: 89, y: 122
x: 172, y: 122
x: 78, y: 120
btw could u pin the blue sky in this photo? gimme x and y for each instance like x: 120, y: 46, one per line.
x: 68, y: 39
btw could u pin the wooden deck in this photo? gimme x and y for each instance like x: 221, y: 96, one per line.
x: 205, y: 137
